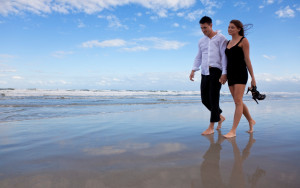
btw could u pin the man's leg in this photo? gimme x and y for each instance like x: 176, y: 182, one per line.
x: 205, y: 91
x: 215, y: 87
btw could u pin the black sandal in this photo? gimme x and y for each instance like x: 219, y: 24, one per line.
x: 255, y: 94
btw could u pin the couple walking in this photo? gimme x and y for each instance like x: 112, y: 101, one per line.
x: 222, y: 61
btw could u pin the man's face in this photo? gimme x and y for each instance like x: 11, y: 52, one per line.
x: 206, y: 28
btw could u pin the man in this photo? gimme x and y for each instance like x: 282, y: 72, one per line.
x: 212, y: 59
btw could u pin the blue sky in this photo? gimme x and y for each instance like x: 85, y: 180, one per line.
x: 138, y: 44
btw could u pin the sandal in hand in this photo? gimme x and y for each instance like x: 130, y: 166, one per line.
x: 255, y: 94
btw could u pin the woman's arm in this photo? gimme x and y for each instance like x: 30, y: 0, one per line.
x: 245, y: 46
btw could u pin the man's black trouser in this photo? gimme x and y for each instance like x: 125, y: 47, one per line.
x: 210, y: 93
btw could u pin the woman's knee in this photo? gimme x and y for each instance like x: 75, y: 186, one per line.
x: 238, y: 101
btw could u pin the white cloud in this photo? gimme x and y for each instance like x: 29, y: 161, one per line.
x: 269, y: 2
x: 8, y: 70
x: 49, y: 83
x: 209, y: 3
x: 80, y: 24
x: 114, y: 22
x: 175, y: 25
x: 140, y: 44
x: 60, y: 54
x: 145, y: 80
x: 180, y: 14
x: 194, y: 15
x: 270, y: 78
x: 87, y: 6
x: 197, y: 33
x: 269, y: 57
x: 218, y: 22
x: 197, y: 14
x: 162, y: 5
x: 240, y: 4
x: 286, y: 12
x: 106, y: 43
x: 103, y: 83
x: 18, y: 6
x: 162, y: 13
x: 17, y: 78
x: 6, y: 56
x: 162, y: 44
x: 136, y: 48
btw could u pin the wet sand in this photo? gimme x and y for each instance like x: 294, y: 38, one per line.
x: 156, y: 147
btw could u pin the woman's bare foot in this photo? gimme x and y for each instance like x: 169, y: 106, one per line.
x: 251, y: 124
x: 222, y: 118
x: 208, y: 131
x: 231, y: 134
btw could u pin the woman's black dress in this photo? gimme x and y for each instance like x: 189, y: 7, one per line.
x: 237, y: 72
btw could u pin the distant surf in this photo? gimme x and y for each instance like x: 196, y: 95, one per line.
x: 24, y: 104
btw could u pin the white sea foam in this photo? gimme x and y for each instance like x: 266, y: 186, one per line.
x: 117, y: 93
x: 41, y: 92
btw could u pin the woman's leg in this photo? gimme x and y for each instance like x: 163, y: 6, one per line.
x: 245, y: 112
x: 248, y: 117
x: 237, y: 92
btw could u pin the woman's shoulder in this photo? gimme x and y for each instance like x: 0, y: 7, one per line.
x: 244, y: 41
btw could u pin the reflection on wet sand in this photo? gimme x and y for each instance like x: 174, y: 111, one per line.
x: 210, y: 168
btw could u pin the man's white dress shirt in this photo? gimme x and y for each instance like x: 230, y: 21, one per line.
x: 211, y: 54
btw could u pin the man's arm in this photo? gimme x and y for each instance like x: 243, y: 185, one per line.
x: 192, y: 75
x: 223, y: 46
x: 197, y: 63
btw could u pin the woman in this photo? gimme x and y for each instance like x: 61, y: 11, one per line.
x: 239, y: 64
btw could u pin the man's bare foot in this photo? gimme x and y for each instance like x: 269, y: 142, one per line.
x: 222, y: 118
x: 208, y: 131
x: 251, y: 124
x: 231, y: 134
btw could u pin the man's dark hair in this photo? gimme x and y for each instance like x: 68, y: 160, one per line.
x: 205, y: 19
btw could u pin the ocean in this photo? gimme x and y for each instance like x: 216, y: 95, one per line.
x: 30, y: 104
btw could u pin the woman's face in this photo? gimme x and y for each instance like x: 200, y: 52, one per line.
x: 233, y: 30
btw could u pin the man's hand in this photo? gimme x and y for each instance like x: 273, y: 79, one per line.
x: 192, y: 75
x: 223, y: 79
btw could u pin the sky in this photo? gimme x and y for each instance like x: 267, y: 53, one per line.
x: 139, y: 44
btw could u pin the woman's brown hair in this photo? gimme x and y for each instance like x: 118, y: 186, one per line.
x: 240, y: 25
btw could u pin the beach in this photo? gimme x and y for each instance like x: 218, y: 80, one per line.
x: 134, y: 139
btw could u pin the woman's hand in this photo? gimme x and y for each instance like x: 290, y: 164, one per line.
x: 253, y: 82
